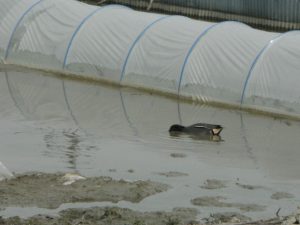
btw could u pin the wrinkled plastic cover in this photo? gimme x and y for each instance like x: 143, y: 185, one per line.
x: 158, y: 56
x: 102, y: 44
x: 275, y: 77
x: 227, y: 62
x: 46, y: 31
x: 219, y: 63
x: 10, y: 12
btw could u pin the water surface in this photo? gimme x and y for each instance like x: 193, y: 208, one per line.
x: 51, y: 124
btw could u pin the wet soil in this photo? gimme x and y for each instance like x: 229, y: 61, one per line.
x: 178, y: 155
x: 50, y: 190
x: 218, y: 201
x: 122, y: 216
x: 281, y: 195
x: 105, y: 216
x: 214, y: 184
x: 172, y: 174
x: 248, y: 186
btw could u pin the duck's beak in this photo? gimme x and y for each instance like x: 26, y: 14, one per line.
x: 217, y: 131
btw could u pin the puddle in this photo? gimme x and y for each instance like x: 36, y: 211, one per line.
x: 50, y: 125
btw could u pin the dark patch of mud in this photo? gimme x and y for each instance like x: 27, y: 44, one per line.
x: 213, y: 184
x: 178, y: 155
x: 227, y: 217
x: 111, y: 216
x: 281, y: 195
x: 248, y: 186
x: 173, y: 174
x: 50, y: 190
x: 216, y: 202
x: 130, y: 171
x: 121, y: 216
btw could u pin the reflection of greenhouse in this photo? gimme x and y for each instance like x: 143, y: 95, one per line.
x: 226, y: 62
x: 82, y: 110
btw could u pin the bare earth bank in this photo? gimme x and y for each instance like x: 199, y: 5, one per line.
x: 51, y: 190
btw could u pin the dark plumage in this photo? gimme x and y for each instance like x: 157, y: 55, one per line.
x: 197, y: 129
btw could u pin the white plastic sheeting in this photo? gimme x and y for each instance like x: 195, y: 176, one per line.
x: 46, y: 30
x: 156, y: 57
x: 274, y: 78
x: 226, y: 62
x: 217, y: 64
x: 4, y: 172
x: 11, y: 12
x: 112, y: 29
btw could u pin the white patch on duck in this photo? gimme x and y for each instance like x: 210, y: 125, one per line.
x: 216, y: 131
x: 70, y: 178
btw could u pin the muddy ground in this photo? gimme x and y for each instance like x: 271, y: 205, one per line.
x: 51, y: 190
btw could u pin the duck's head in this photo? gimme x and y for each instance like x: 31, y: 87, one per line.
x: 176, y: 128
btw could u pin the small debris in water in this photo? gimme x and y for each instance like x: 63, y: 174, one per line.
x: 4, y: 172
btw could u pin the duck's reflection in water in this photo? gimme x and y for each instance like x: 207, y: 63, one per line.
x: 196, y: 136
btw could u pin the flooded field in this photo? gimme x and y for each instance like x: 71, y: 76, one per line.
x: 117, y: 140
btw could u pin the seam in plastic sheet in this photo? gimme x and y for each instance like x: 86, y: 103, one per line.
x: 137, y: 40
x: 17, y: 24
x: 82, y: 23
x: 202, y: 34
x: 259, y: 55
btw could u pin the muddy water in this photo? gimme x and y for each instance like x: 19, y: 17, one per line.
x: 55, y: 125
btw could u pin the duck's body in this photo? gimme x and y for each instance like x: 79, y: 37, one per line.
x: 198, y: 129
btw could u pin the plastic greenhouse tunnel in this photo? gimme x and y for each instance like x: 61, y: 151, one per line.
x: 228, y: 62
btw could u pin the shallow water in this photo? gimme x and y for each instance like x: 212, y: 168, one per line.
x: 51, y: 124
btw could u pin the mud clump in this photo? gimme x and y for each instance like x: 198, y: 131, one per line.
x: 108, y: 215
x: 227, y: 217
x: 216, y: 202
x: 178, y: 155
x: 248, y: 186
x: 214, y: 184
x: 173, y: 174
x: 50, y: 190
x: 281, y: 195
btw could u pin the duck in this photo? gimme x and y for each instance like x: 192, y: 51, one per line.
x: 197, y: 129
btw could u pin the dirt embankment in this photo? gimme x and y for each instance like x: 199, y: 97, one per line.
x: 108, y: 216
x: 52, y: 190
